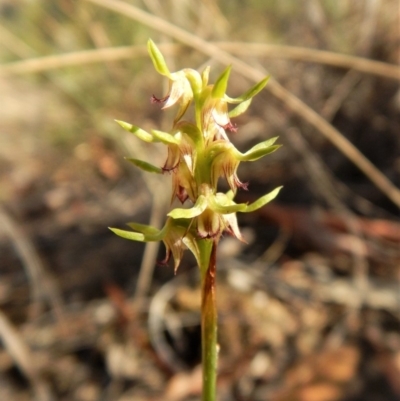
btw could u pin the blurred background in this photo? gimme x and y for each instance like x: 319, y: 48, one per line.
x: 309, y: 307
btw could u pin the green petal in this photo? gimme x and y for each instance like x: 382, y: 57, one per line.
x: 192, y: 245
x: 194, y: 79
x: 204, y: 76
x: 250, y: 93
x: 144, y: 228
x: 145, y: 166
x: 263, y: 200
x: 183, y: 106
x: 223, y: 203
x: 158, y: 59
x: 165, y: 138
x: 140, y: 133
x: 259, y: 150
x: 131, y: 235
x: 240, y: 109
x: 191, y: 131
x: 230, y: 195
x: 195, y: 211
x: 228, y: 209
x: 142, y: 233
x: 217, y: 148
x: 150, y: 233
x: 220, y: 85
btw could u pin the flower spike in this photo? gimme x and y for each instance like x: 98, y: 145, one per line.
x: 198, y: 154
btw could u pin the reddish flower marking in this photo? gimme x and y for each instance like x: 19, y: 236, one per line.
x: 155, y: 99
x: 231, y: 127
x: 164, y: 262
x: 243, y: 185
x: 169, y: 169
x: 182, y: 194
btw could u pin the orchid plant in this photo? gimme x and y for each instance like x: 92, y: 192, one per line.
x: 199, y: 153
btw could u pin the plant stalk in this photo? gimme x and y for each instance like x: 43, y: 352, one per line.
x: 209, y: 319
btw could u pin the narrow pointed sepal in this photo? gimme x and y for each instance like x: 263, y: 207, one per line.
x: 139, y: 132
x: 240, y: 108
x: 131, y: 235
x: 145, y: 166
x: 141, y: 233
x: 223, y: 204
x: 158, y: 59
x: 263, y: 200
x: 195, y: 211
x: 260, y: 150
x: 248, y: 94
x: 219, y: 88
x: 165, y: 137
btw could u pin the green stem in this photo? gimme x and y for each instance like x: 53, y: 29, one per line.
x: 209, y: 318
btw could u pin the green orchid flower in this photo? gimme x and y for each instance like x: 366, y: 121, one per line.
x: 213, y: 214
x: 225, y: 159
x: 176, y: 236
x: 183, y: 84
x: 216, y: 118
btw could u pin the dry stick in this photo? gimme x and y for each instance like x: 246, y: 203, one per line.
x: 158, y: 314
x: 339, y: 94
x: 360, y: 268
x: 313, y: 55
x: 151, y: 249
x: 83, y: 57
x: 42, y: 283
x: 315, y: 166
x: 159, y: 205
x: 21, y: 49
x: 19, y: 350
x: 351, y: 79
x: 101, y: 40
x: 360, y: 264
x: 368, y: 26
x: 291, y: 101
x: 322, y: 183
x: 14, y: 44
x: 154, y: 185
x: 155, y: 8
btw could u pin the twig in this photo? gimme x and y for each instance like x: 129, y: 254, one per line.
x: 42, y: 284
x: 15, y: 44
x: 322, y: 183
x: 101, y: 40
x: 157, y: 313
x: 351, y: 78
x: 339, y: 94
x: 290, y: 100
x: 40, y: 64
x: 151, y: 250
x: 154, y: 185
x: 17, y: 347
x: 308, y: 55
